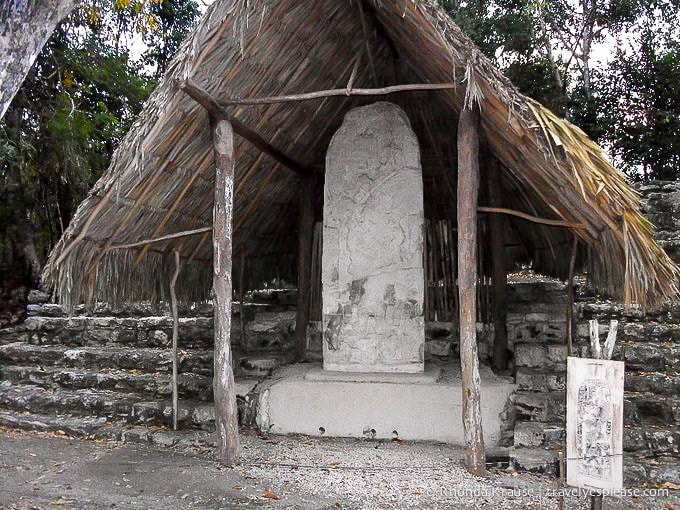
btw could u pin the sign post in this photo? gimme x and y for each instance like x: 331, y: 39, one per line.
x: 595, y: 419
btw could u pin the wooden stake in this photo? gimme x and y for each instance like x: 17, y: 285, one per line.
x: 499, y: 277
x: 224, y: 390
x: 175, y: 335
x: 242, y: 294
x: 305, y: 236
x: 468, y: 189
x: 562, y: 484
x: 570, y: 300
x: 597, y: 353
x: 611, y: 339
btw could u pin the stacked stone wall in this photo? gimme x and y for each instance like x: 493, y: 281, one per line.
x: 648, y: 343
x: 116, y: 362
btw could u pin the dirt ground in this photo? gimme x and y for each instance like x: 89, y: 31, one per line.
x: 41, y: 471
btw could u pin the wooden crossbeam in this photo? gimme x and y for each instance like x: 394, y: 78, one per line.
x: 217, y: 111
x: 529, y: 217
x: 159, y: 239
x: 383, y: 91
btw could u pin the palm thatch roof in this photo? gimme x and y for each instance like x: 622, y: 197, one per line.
x: 161, y: 178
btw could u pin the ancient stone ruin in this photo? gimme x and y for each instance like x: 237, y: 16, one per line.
x: 372, y: 274
x: 106, y: 372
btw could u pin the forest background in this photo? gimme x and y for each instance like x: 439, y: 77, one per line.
x: 610, y: 66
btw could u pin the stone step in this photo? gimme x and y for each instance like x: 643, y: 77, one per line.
x: 143, y: 359
x: 652, y: 440
x: 99, y: 428
x: 531, y: 379
x: 99, y: 403
x: 650, y: 331
x: 659, y: 383
x: 80, y: 426
x: 644, y: 357
x: 107, y: 404
x: 535, y: 434
x: 650, y: 409
x: 638, y: 408
x: 638, y: 469
x: 649, y: 440
x: 150, y: 385
x: 534, y: 460
x: 194, y: 332
x: 264, y: 329
x: 547, y: 407
x: 145, y: 310
x: 541, y: 356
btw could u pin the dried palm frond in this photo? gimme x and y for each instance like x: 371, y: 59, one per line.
x: 161, y: 177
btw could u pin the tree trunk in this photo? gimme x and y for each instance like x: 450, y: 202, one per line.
x: 499, y: 270
x: 25, y: 27
x: 30, y: 253
x: 305, y: 235
x: 468, y: 190
x: 224, y: 390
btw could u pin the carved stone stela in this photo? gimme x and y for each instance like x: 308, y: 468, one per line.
x: 372, y: 268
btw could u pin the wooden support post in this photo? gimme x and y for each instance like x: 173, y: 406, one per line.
x: 175, y: 335
x: 305, y: 237
x: 468, y: 188
x: 562, y: 482
x: 218, y: 112
x: 499, y: 276
x: 570, y: 299
x: 241, y: 298
x: 224, y: 390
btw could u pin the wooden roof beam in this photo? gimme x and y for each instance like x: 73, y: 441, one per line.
x: 202, y: 97
x: 383, y: 91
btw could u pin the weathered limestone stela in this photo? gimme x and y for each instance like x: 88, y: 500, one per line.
x: 372, y: 268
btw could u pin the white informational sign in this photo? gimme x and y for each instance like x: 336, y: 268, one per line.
x: 595, y: 423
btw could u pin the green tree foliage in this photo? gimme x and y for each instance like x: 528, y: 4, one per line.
x: 641, y: 97
x: 174, y: 20
x: 630, y: 103
x: 75, y: 106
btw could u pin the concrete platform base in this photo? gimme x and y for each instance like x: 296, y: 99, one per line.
x: 430, y: 376
x: 304, y: 399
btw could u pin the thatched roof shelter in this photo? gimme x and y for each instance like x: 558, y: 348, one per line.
x: 161, y: 178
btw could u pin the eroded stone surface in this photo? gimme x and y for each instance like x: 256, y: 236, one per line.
x: 372, y: 267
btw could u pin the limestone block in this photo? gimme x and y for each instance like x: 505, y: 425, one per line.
x: 528, y: 379
x: 528, y: 434
x: 438, y: 347
x: 203, y: 415
x: 634, y: 439
x: 372, y: 269
x: 36, y: 296
x: 538, y: 355
x: 135, y: 435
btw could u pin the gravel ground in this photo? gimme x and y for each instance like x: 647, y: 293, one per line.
x: 367, y: 474
x: 47, y: 471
